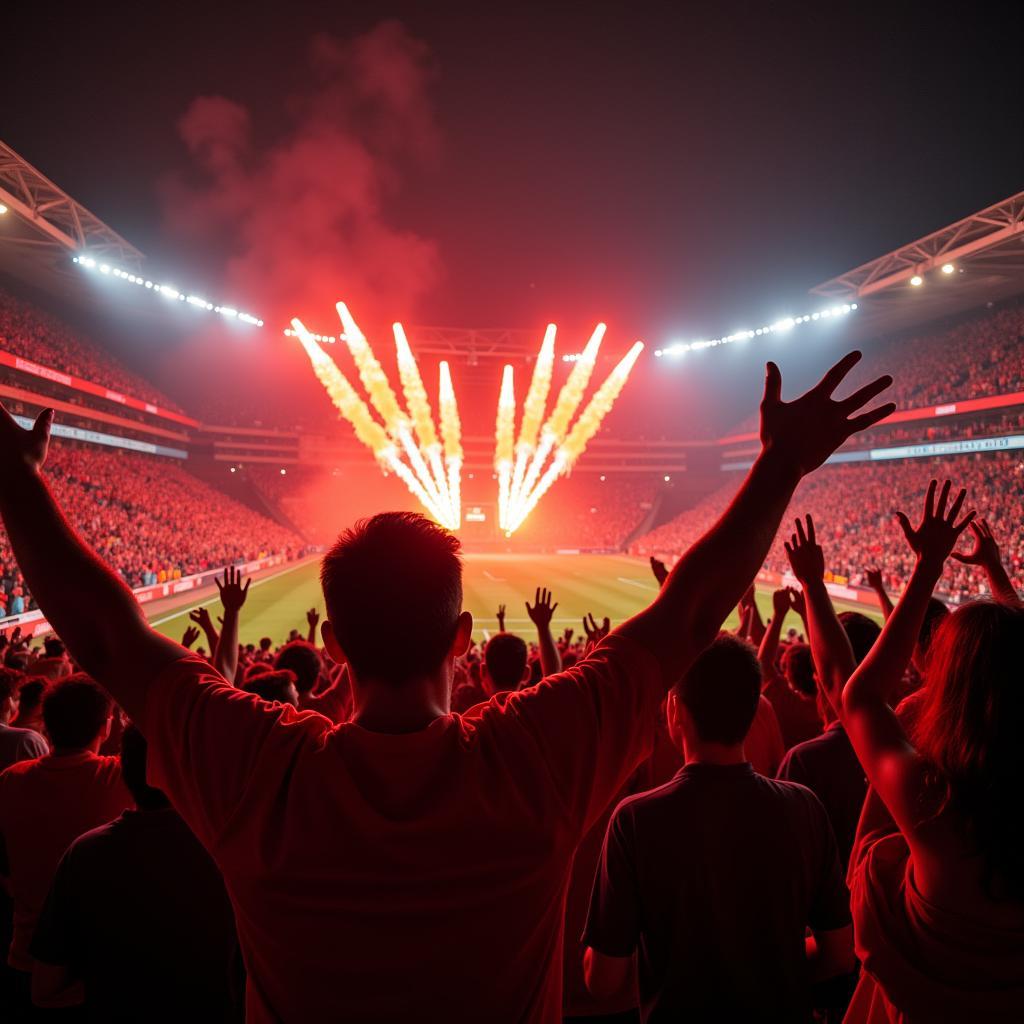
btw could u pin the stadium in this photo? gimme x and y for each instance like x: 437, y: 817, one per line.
x: 227, y: 394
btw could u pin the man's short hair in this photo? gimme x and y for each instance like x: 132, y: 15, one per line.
x: 505, y: 657
x: 272, y: 686
x: 30, y: 696
x: 303, y: 659
x: 798, y: 668
x: 395, y: 569
x: 265, y: 643
x: 54, y: 647
x: 75, y: 710
x: 260, y: 668
x: 133, y: 771
x: 862, y: 633
x: 10, y: 683
x: 721, y: 690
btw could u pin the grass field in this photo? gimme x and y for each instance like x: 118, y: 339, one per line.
x: 612, y: 585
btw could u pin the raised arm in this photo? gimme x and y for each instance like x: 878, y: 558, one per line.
x: 312, y: 618
x: 88, y: 605
x: 986, y: 554
x: 540, y: 613
x: 770, y: 641
x: 830, y: 646
x: 202, y: 618
x: 706, y: 583
x: 232, y: 597
x: 874, y: 577
x: 888, y: 759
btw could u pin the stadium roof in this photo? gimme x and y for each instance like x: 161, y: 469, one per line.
x: 909, y: 285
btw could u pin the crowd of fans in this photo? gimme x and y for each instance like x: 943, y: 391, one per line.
x: 149, y: 519
x: 649, y: 822
x: 27, y: 331
x: 858, y: 500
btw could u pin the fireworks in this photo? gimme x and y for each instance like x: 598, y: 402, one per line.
x: 427, y: 457
x: 414, y: 460
x: 532, y: 474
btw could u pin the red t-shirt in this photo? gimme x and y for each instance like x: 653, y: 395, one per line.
x: 44, y: 805
x: 382, y: 877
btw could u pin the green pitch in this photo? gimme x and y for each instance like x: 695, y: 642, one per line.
x: 612, y: 585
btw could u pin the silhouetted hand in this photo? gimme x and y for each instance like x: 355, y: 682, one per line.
x: 542, y: 609
x: 806, y: 431
x: 874, y: 578
x: 232, y: 593
x: 20, y: 447
x: 805, y: 555
x: 190, y: 636
x: 938, y: 531
x: 985, y: 550
x: 567, y: 635
x: 780, y: 602
x: 797, y: 602
x: 659, y: 569
x: 501, y: 618
x: 596, y: 633
x: 201, y: 617
x: 312, y: 617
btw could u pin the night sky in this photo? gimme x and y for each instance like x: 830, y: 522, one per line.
x: 678, y: 170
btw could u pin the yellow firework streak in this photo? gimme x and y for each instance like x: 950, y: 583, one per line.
x: 533, y: 409
x: 569, y: 398
x: 372, y: 374
x: 451, y: 434
x: 504, y: 444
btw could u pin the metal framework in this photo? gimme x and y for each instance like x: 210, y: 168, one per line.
x: 60, y: 224
x: 475, y: 344
x: 982, y: 238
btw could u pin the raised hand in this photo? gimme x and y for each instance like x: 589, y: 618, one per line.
x: 596, y: 633
x: 659, y: 569
x: 201, y: 617
x: 805, y: 432
x: 567, y: 635
x: 874, y: 578
x: 985, y: 550
x: 804, y: 553
x: 232, y: 593
x: 501, y: 618
x: 542, y: 609
x: 937, y: 533
x: 312, y: 618
x: 780, y: 602
x: 190, y: 636
x: 24, y: 447
x: 798, y: 602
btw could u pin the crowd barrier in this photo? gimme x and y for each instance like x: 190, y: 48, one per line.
x: 34, y: 624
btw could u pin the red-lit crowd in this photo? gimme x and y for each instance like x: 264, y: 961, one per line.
x: 27, y: 331
x: 811, y: 817
x: 149, y: 519
x: 858, y: 502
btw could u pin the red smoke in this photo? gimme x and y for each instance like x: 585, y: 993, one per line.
x: 301, y: 216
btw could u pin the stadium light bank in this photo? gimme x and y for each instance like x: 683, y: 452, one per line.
x: 680, y: 348
x: 167, y: 290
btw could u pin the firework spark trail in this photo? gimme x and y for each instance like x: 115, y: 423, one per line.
x: 451, y: 434
x: 568, y: 402
x: 504, y: 447
x: 385, y: 401
x: 589, y: 422
x: 533, y: 409
x: 372, y: 374
x: 420, y: 413
x: 583, y: 430
x: 345, y: 398
x: 352, y: 408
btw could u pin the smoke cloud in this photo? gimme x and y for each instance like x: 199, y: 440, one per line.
x: 299, y: 212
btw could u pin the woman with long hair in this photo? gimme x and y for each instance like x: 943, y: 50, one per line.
x: 938, y: 905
